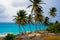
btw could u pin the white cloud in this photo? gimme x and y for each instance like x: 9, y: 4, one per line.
x: 19, y: 3
x: 9, y: 12
x: 2, y: 9
x: 11, y: 7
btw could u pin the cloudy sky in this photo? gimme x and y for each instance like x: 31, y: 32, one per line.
x: 9, y: 8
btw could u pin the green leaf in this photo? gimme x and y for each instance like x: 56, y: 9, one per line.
x: 29, y: 6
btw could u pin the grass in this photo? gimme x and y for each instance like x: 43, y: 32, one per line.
x: 52, y: 38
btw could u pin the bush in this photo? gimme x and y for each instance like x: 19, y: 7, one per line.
x: 10, y: 37
x: 54, y: 28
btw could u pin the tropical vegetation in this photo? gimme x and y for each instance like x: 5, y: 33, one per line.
x: 21, y: 19
x: 36, y: 14
x: 55, y: 28
x: 10, y: 37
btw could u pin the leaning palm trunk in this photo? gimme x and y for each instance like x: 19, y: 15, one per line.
x: 24, y: 29
x: 19, y: 29
x: 30, y: 28
x: 36, y: 26
x: 39, y: 27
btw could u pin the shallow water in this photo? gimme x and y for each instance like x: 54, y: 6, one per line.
x: 13, y: 28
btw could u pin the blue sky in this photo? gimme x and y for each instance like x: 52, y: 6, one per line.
x: 9, y: 8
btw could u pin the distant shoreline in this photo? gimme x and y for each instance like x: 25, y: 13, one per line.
x: 6, y: 22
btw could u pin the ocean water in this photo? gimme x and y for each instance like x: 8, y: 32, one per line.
x: 13, y: 28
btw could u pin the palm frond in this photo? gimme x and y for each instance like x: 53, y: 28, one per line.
x: 53, y: 11
x: 32, y: 22
x: 39, y: 6
x: 29, y: 6
x: 14, y: 19
x: 37, y: 1
x: 31, y: 1
x: 14, y: 16
x: 46, y: 21
x: 32, y: 11
x: 42, y: 3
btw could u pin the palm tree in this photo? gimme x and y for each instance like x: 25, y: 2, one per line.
x: 46, y: 21
x: 53, y: 11
x: 35, y: 4
x: 56, y: 22
x: 20, y: 19
x: 29, y: 21
x: 36, y: 8
x: 38, y: 19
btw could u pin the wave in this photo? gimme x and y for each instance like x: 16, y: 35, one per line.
x: 5, y: 34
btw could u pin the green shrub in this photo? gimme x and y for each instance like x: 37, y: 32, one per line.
x: 10, y: 37
x: 54, y: 28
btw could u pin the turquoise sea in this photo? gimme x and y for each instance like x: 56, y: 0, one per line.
x: 13, y: 28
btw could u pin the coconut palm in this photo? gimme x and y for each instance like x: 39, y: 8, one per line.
x: 20, y: 19
x: 46, y: 21
x: 36, y: 9
x: 35, y: 4
x: 29, y: 21
x: 38, y: 19
x: 53, y: 11
x: 56, y: 22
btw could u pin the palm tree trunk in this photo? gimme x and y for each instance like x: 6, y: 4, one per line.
x: 19, y: 29
x: 24, y: 29
x: 39, y: 27
x: 30, y: 28
x: 36, y: 26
